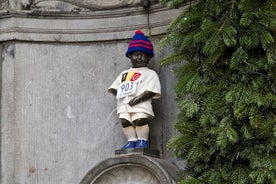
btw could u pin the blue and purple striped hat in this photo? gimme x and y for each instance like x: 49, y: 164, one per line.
x: 140, y: 43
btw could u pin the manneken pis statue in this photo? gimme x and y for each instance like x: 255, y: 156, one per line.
x: 134, y: 89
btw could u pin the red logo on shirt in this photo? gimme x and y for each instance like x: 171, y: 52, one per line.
x: 135, y: 76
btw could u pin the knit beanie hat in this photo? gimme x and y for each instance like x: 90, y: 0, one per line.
x: 140, y: 43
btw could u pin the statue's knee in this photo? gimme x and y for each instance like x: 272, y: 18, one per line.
x: 140, y: 122
x: 125, y: 123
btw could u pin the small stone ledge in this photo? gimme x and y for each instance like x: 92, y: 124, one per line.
x: 141, y: 151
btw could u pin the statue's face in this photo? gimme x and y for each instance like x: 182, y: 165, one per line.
x: 139, y: 59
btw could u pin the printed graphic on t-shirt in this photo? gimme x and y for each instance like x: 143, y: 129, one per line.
x: 130, y: 76
x: 128, y: 85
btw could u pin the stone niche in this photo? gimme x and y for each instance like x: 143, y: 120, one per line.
x: 57, y: 119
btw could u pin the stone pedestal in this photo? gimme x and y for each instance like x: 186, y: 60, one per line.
x: 134, y: 168
x: 142, y: 151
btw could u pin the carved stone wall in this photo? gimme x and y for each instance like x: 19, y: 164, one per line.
x: 70, y: 5
x: 57, y: 119
x: 62, y: 26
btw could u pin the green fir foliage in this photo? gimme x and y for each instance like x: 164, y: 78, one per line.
x: 225, y: 60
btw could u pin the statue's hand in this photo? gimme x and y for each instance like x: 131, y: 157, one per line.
x: 133, y: 101
x: 144, y: 96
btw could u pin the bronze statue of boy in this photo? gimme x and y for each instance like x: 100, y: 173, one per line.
x: 134, y: 89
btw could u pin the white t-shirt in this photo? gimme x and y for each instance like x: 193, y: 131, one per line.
x: 133, y: 82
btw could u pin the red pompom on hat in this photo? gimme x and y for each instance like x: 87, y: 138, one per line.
x: 139, y: 32
x: 140, y: 43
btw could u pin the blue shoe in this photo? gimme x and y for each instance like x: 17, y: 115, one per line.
x: 130, y: 144
x: 142, y: 144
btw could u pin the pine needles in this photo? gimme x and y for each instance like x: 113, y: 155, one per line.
x: 224, y: 57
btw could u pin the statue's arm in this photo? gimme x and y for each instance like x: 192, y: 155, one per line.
x: 112, y: 91
x: 140, y: 98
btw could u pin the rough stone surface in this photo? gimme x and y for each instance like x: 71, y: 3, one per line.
x: 56, y: 116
